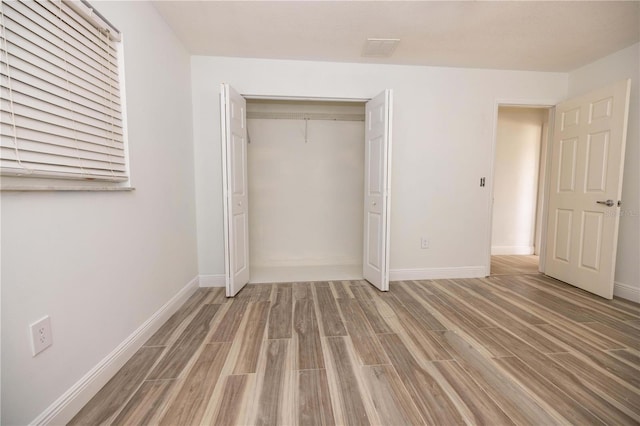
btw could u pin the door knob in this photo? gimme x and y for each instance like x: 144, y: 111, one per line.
x: 374, y: 203
x: 608, y: 203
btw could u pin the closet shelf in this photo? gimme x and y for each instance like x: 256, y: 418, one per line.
x: 304, y: 116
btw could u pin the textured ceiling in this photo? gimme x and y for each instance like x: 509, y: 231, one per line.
x: 520, y: 35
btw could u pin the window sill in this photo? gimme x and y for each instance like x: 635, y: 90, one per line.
x: 44, y: 188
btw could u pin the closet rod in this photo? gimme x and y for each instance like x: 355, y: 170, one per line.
x: 304, y: 116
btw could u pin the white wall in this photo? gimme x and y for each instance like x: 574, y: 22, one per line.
x: 515, y: 187
x: 99, y: 263
x: 305, y: 187
x: 610, y: 69
x: 443, y: 129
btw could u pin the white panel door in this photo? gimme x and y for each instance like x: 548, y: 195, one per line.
x: 376, y: 190
x: 234, y: 176
x: 586, y: 185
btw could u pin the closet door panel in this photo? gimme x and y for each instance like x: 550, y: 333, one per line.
x: 233, y: 111
x: 377, y: 184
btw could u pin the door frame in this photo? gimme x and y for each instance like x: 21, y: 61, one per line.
x: 525, y: 103
x: 248, y: 96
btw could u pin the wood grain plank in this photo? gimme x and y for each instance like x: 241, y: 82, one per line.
x: 626, y: 327
x: 262, y: 292
x: 191, y: 400
x: 514, y: 265
x: 228, y: 327
x: 218, y: 297
x: 430, y: 294
x: 428, y: 342
x: 390, y: 398
x: 364, y: 342
x: 347, y: 384
x: 628, y: 338
x: 535, y: 339
x: 281, y: 315
x: 415, y: 308
x: 635, y: 324
x: 251, y: 337
x: 246, y: 293
x: 522, y: 314
x: 564, y: 379
x: 573, y: 412
x: 232, y: 405
x: 270, y: 405
x: 602, y: 359
x: 329, y: 316
x: 434, y: 405
x: 285, y: 285
x: 144, y: 407
x: 631, y: 357
x: 106, y: 403
x: 453, y: 315
x: 625, y: 305
x: 302, y: 291
x: 373, y: 315
x: 314, y: 401
x: 579, y: 338
x: 601, y: 382
x: 189, y: 308
x: 483, y: 409
x: 484, y: 337
x: 360, y: 290
x: 556, y: 304
x: 309, y: 350
x: 510, y: 397
x: 341, y: 289
x: 505, y: 320
x: 600, y: 309
x: 499, y: 287
x: 172, y: 364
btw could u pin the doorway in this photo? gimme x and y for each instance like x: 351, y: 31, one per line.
x: 518, y: 189
x: 582, y: 181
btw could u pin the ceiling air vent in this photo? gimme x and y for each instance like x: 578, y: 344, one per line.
x: 380, y: 47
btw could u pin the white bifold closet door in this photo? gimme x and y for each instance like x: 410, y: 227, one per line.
x: 236, y: 208
x: 233, y: 110
x: 375, y: 259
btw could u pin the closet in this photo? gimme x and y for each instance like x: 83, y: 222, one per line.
x: 306, y: 189
x: 305, y: 165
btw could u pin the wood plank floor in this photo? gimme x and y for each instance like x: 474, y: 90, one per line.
x: 514, y: 265
x: 513, y: 349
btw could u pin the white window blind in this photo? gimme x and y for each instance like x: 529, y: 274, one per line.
x: 61, y: 111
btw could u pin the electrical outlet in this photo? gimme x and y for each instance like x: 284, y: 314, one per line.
x: 41, y: 337
x: 424, y: 243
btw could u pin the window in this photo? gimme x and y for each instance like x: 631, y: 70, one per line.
x: 61, y: 110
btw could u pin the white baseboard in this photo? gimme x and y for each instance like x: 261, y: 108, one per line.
x: 212, y: 280
x: 625, y: 291
x: 437, y: 273
x: 511, y: 250
x: 68, y: 405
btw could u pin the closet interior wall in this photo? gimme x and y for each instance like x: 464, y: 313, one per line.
x: 306, y: 190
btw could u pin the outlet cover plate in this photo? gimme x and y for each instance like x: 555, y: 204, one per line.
x: 41, y: 337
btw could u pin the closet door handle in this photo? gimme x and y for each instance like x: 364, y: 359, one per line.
x: 373, y: 203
